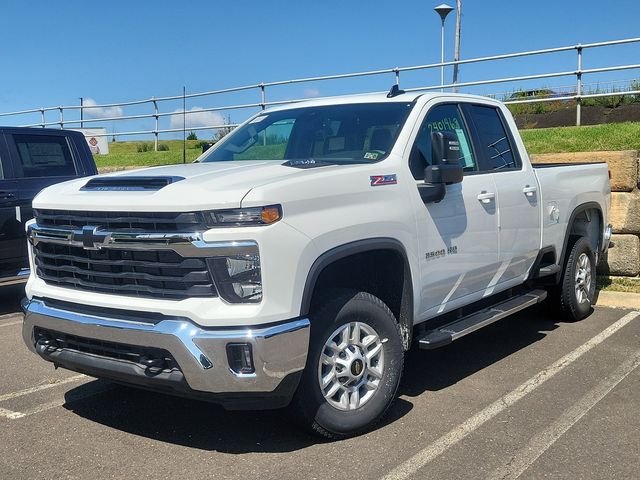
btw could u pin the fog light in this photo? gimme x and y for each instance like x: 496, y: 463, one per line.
x: 240, y: 357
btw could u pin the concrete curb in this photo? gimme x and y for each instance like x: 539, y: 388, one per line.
x: 619, y: 300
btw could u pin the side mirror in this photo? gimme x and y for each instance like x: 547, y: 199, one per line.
x: 446, y: 169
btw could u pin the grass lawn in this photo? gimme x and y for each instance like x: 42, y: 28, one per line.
x: 612, y: 136
x: 126, y: 154
x: 618, y: 284
x: 608, y: 136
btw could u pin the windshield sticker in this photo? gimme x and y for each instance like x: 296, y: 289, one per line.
x: 371, y: 155
x: 377, y: 180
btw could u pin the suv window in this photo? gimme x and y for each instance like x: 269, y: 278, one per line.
x: 44, y: 156
x: 493, y: 139
x: 441, y: 118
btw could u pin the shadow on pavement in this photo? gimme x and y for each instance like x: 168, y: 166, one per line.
x: 197, y: 424
x: 10, y: 297
x: 209, y: 427
x: 432, y: 370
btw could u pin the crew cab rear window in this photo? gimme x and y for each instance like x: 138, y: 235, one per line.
x: 494, y: 139
x: 44, y: 156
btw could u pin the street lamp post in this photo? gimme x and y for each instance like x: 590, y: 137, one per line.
x: 443, y: 10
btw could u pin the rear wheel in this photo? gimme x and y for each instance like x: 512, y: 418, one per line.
x: 577, y: 289
x: 353, y: 368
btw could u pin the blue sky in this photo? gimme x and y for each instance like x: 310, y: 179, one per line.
x: 55, y: 52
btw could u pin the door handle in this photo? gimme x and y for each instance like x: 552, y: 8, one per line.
x: 529, y: 191
x: 486, y: 197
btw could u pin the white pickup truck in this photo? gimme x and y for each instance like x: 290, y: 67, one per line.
x: 301, y: 256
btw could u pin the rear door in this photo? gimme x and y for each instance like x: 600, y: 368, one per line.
x: 12, y: 248
x: 518, y: 198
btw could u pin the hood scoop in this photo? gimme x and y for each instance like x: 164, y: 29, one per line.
x: 129, y: 183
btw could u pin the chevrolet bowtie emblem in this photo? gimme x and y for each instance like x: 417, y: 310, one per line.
x: 92, y: 238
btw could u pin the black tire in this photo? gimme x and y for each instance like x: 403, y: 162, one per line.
x: 564, y: 297
x: 314, y: 411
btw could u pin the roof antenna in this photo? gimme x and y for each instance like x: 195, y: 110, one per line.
x: 395, y: 91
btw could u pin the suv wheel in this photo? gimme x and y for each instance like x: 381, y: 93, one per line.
x: 353, y: 368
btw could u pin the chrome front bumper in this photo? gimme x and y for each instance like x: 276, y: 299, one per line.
x: 201, y: 354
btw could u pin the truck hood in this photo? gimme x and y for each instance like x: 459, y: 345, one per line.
x: 195, y: 186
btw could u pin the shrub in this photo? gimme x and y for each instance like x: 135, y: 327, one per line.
x: 144, y: 147
x: 192, y: 136
x: 163, y: 147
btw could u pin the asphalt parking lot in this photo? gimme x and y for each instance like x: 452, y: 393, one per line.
x: 528, y: 397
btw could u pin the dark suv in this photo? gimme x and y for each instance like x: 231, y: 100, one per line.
x: 30, y: 160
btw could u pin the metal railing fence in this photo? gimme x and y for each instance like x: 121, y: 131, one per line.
x: 261, y: 89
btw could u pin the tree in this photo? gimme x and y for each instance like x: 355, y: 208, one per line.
x: 224, y: 131
x: 192, y: 136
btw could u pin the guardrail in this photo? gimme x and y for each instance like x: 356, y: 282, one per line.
x: 261, y: 89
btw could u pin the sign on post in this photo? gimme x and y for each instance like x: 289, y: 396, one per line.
x: 96, y: 139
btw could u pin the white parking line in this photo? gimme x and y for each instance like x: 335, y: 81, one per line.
x: 62, y: 401
x: 10, y: 323
x: 539, y: 444
x: 10, y: 414
x: 426, y: 455
x: 37, y: 388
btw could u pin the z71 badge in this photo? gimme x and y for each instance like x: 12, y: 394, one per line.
x: 377, y: 180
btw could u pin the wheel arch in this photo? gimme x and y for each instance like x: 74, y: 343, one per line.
x: 372, y: 249
x: 574, y: 228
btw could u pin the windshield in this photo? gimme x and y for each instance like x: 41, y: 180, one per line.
x: 347, y: 133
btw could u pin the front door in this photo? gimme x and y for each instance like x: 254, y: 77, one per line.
x: 458, y: 236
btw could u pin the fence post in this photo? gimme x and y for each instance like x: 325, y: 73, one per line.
x: 61, y: 117
x: 42, y: 122
x: 263, y: 106
x: 579, y: 87
x: 155, y: 132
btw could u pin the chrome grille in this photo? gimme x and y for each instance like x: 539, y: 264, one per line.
x: 141, y: 273
x: 122, y: 221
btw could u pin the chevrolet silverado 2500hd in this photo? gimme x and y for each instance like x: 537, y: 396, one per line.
x: 300, y: 257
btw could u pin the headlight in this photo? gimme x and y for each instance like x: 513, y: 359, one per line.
x: 238, y: 277
x: 239, y: 217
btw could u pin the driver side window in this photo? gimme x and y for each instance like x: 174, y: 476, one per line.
x: 441, y: 118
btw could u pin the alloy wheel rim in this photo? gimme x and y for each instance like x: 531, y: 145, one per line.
x: 351, y: 366
x: 583, y: 278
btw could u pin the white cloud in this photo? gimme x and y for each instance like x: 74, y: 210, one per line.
x: 311, y: 92
x: 100, y: 112
x: 196, y: 117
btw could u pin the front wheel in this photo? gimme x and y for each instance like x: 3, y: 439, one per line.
x: 353, y: 368
x: 577, y: 289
